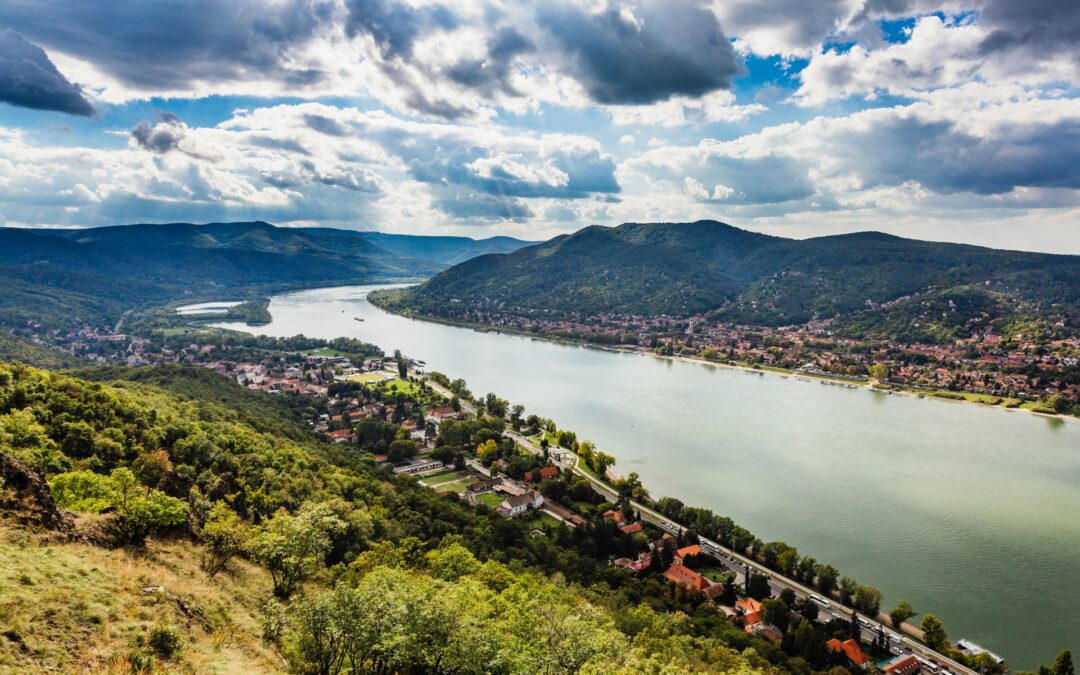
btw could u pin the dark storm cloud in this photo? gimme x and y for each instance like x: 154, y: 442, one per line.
x: 30, y: 80
x: 162, y: 44
x: 671, y: 49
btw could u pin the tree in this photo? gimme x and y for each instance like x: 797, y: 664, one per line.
x: 879, y: 371
x: 868, y: 600
x: 142, y: 510
x: 292, y: 547
x: 1063, y: 664
x: 777, y: 613
x: 402, y: 366
x: 401, y: 450
x: 902, y: 613
x: 848, y: 586
x: 933, y: 631
x: 826, y: 578
x: 223, y: 537
x: 757, y: 587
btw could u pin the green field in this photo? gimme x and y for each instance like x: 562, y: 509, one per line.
x: 368, y: 378
x: 400, y: 386
x: 454, y: 481
x: 490, y: 498
x: 713, y: 573
x: 325, y: 351
x: 544, y: 521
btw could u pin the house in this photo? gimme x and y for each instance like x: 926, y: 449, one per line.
x: 767, y: 631
x: 751, y: 610
x: 851, y: 649
x: 444, y: 413
x: 418, y: 465
x: 902, y: 665
x: 632, y: 528
x: 341, y: 435
x: 544, y: 473
x: 687, y: 578
x: 516, y: 505
x: 687, y: 552
x: 615, y: 514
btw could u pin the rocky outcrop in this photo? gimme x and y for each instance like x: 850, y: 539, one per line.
x: 26, y: 501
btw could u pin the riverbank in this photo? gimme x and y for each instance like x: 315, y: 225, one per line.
x: 981, y: 400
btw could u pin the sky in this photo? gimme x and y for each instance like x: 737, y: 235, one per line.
x: 950, y: 120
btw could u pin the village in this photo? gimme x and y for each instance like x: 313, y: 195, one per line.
x: 988, y: 364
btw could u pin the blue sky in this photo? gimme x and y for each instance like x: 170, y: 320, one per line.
x: 952, y: 120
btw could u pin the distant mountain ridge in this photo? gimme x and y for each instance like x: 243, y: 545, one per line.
x: 740, y: 276
x: 98, y: 272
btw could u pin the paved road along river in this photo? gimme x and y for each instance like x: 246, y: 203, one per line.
x: 970, y: 513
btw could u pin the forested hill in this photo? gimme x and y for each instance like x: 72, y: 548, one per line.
x: 707, y: 266
x: 96, y: 274
x: 217, y: 534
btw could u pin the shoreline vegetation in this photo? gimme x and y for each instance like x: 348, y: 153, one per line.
x: 986, y: 401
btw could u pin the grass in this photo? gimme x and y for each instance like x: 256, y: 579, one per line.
x: 714, y: 573
x: 490, y: 498
x: 400, y: 386
x: 327, y: 352
x: 368, y: 378
x: 80, y: 608
x: 544, y: 521
x: 454, y: 481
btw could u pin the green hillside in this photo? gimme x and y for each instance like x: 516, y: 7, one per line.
x: 739, y: 276
x: 407, y: 580
x: 57, y: 276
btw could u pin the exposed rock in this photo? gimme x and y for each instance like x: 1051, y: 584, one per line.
x: 25, y: 498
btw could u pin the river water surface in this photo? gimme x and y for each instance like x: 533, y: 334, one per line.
x: 970, y: 513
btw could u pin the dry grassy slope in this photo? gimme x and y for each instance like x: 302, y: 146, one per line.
x: 77, y: 608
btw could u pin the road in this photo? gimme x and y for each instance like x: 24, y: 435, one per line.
x: 898, y: 642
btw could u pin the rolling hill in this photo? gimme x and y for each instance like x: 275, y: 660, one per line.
x: 736, y: 275
x: 98, y: 273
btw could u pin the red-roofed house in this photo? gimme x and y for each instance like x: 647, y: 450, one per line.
x: 751, y: 610
x: 686, y: 577
x: 341, y: 435
x: 851, y: 650
x: 632, y: 528
x: 687, y: 551
x: 902, y: 665
x: 542, y: 474
x: 444, y: 413
x: 614, y: 514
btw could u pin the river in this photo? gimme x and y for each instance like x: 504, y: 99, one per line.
x: 967, y: 512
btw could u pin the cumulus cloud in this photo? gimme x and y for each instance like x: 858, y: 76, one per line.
x: 161, y: 137
x: 30, y: 80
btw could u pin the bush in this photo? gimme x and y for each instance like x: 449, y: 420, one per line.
x: 165, y: 640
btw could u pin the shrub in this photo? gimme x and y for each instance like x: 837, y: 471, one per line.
x: 165, y: 640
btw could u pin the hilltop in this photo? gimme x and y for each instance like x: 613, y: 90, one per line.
x: 95, y: 274
x: 708, y: 267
